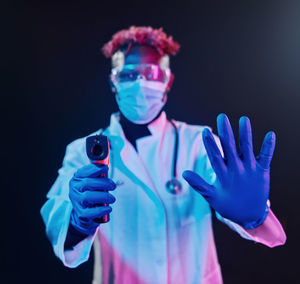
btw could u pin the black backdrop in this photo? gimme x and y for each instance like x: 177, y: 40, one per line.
x: 237, y: 57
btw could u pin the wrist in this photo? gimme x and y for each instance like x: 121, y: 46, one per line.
x: 73, y: 237
x: 257, y: 223
x: 82, y: 228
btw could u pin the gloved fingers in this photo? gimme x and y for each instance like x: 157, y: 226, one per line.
x: 93, y: 212
x: 82, y: 224
x: 95, y: 184
x: 227, y: 139
x: 92, y: 198
x: 245, y: 142
x: 91, y: 171
x: 75, y: 194
x: 267, y: 150
x: 214, y: 154
x: 199, y: 184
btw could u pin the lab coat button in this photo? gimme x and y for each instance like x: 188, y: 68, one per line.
x: 119, y: 182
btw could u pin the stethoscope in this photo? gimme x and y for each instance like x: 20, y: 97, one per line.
x: 173, y: 185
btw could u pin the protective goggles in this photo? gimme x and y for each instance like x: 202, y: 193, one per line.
x: 133, y: 72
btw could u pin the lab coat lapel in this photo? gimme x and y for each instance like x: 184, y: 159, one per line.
x: 127, y: 160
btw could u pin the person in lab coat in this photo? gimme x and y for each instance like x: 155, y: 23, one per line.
x: 162, y: 179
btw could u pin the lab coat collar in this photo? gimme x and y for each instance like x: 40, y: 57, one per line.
x: 158, y: 125
x: 125, y: 154
x: 155, y: 127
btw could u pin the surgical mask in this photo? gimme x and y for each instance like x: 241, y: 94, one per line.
x: 140, y: 101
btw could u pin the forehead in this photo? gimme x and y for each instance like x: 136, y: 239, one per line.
x: 139, y: 54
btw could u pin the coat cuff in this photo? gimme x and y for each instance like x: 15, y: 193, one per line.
x: 56, y: 215
x: 80, y: 252
x: 269, y: 233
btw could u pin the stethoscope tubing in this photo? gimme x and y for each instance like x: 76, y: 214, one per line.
x: 175, y: 154
x: 175, y: 149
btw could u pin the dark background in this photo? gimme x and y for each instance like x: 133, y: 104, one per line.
x: 237, y: 57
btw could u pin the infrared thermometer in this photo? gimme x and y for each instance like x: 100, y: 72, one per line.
x: 97, y: 149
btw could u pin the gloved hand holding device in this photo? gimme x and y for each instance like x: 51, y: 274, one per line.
x: 241, y: 190
x: 88, y: 196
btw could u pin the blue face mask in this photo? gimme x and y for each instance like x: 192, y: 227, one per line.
x: 141, y: 101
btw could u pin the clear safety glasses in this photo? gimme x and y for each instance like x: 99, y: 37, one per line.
x: 133, y: 72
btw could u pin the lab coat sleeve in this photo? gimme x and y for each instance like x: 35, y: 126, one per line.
x: 269, y: 233
x: 57, y: 209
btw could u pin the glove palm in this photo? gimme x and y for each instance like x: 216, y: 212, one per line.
x: 241, y: 189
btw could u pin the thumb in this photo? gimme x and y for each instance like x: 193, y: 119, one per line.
x: 199, y: 184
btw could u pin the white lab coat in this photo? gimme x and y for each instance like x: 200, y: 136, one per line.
x: 153, y: 236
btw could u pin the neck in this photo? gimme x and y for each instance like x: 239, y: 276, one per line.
x: 134, y: 131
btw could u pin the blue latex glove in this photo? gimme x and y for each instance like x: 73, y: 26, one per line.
x: 241, y: 190
x: 86, y: 193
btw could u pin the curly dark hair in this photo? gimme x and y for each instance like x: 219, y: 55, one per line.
x: 141, y: 35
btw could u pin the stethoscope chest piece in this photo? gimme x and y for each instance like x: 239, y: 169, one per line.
x: 174, y: 186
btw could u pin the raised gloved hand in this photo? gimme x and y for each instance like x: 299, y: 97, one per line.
x: 86, y: 194
x: 241, y: 190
